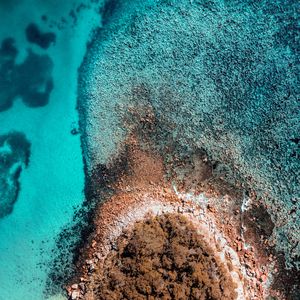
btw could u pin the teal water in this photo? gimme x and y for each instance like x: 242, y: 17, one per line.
x: 38, y: 99
x: 220, y: 76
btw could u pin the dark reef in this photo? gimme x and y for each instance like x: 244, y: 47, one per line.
x: 8, y: 48
x: 35, y: 36
x: 14, y: 156
x: 68, y: 248
x: 30, y: 80
x: 108, y: 10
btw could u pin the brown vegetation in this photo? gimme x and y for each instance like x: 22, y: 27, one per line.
x: 163, y: 258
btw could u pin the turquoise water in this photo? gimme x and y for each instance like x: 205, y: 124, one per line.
x: 42, y: 106
x: 220, y: 76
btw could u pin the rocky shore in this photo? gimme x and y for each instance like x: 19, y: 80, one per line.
x: 190, y: 108
x: 225, y: 219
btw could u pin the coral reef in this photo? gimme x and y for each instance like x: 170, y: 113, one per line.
x: 15, y: 81
x: 14, y: 155
x: 35, y: 36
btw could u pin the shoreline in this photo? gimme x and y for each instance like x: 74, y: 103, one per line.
x: 131, y: 197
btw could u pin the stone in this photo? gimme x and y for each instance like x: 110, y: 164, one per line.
x: 82, y: 286
x: 75, y: 295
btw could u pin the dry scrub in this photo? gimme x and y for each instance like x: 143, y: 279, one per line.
x: 163, y: 258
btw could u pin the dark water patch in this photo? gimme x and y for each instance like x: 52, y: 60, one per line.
x: 8, y: 53
x: 74, y: 129
x: 9, y: 4
x: 74, y: 14
x: 44, y: 18
x: 8, y: 48
x: 35, y: 89
x: 14, y: 156
x: 30, y: 80
x: 108, y: 10
x: 35, y: 36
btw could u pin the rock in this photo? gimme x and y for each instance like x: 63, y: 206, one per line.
x: 180, y: 209
x: 82, y: 286
x: 75, y: 295
x: 74, y: 131
x: 91, y: 268
x: 74, y: 286
x: 239, y: 246
x: 263, y: 278
x: 211, y: 208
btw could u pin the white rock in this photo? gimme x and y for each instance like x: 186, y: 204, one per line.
x: 75, y: 295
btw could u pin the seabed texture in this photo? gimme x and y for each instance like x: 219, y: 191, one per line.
x: 189, y: 127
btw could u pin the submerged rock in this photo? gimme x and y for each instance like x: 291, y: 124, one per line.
x: 35, y: 36
x: 14, y: 156
x: 31, y: 80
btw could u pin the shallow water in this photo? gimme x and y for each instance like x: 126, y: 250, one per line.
x: 52, y: 183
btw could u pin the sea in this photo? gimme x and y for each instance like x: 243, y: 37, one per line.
x: 42, y: 47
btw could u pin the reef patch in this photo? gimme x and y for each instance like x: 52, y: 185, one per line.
x: 30, y: 80
x: 14, y: 156
x: 35, y: 36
